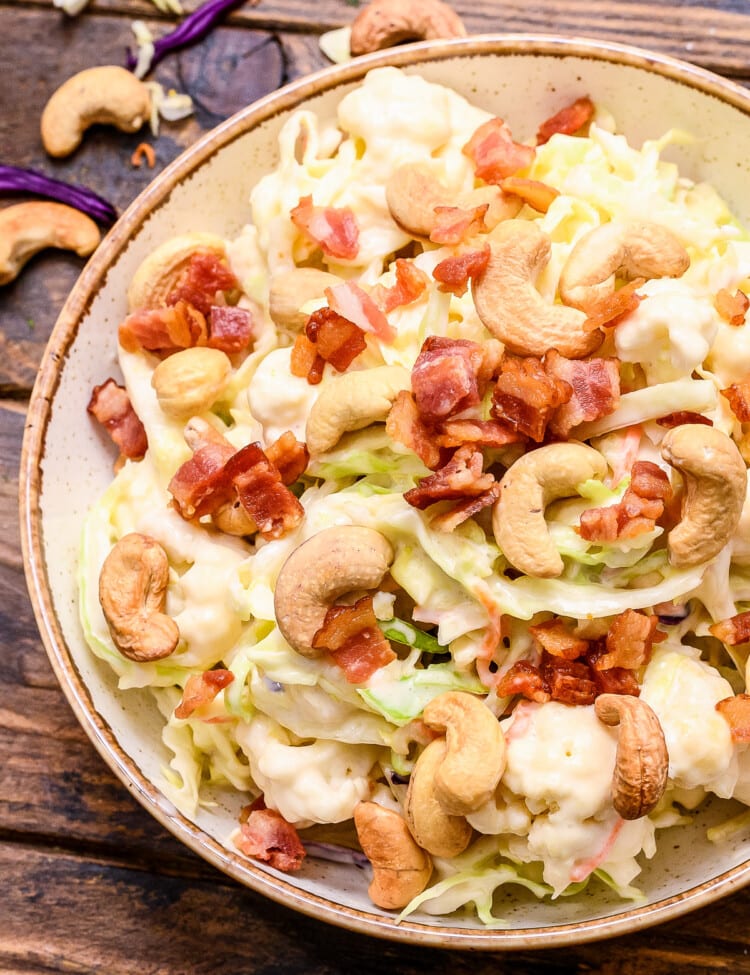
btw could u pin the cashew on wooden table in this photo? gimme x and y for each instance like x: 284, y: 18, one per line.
x: 27, y: 228
x: 383, y: 23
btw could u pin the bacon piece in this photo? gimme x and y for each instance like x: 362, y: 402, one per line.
x: 267, y: 836
x: 567, y: 121
x: 738, y: 395
x: 736, y: 712
x: 461, y: 477
x: 537, y: 195
x: 732, y: 307
x: 271, y: 505
x: 524, y: 678
x: 734, y: 630
x: 638, y: 511
x: 305, y: 361
x: 336, y: 339
x: 649, y: 481
x: 454, y: 273
x: 199, y: 486
x: 464, y: 510
x: 494, y: 153
x: 201, y: 689
x: 595, y: 385
x: 569, y: 681
x: 481, y: 433
x: 676, y: 419
x: 288, y: 456
x: 163, y: 330
x: 609, y: 311
x: 555, y: 637
x: 405, y: 425
x: 411, y: 283
x: 333, y: 229
x: 445, y: 377
x: 229, y: 329
x: 629, y: 641
x: 355, y: 641
x: 111, y: 406
x: 341, y: 623
x: 453, y: 225
x: 354, y: 304
x: 205, y: 276
x: 526, y: 395
x: 616, y: 680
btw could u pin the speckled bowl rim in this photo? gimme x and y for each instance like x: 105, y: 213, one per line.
x: 63, y: 334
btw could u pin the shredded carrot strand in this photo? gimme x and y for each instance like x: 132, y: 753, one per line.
x: 143, y: 151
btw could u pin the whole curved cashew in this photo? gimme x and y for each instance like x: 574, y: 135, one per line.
x: 434, y: 829
x: 27, y: 228
x: 527, y: 487
x: 352, y: 401
x: 157, y: 275
x: 642, y: 761
x: 383, y: 23
x: 715, y: 486
x: 335, y: 561
x: 513, y: 310
x: 107, y: 94
x: 291, y: 290
x: 475, y: 756
x: 400, y: 868
x: 637, y: 249
x: 132, y: 593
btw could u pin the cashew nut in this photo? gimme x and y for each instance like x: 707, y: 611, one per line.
x: 157, y: 275
x: 132, y: 593
x: 108, y: 94
x: 513, y: 310
x: 335, y: 561
x: 27, y: 228
x: 434, y: 829
x: 715, y: 486
x: 642, y: 761
x: 352, y: 401
x: 190, y: 381
x: 475, y: 756
x: 528, y: 486
x: 384, y: 23
x: 400, y: 868
x: 291, y: 290
x: 634, y: 250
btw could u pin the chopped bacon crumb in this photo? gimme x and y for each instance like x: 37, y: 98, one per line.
x: 526, y: 395
x: 535, y: 194
x: 163, y: 330
x: 460, y: 478
x: 111, y: 406
x: 336, y: 339
x: 356, y: 306
x: 271, y: 505
x: 230, y: 329
x: 453, y: 225
x: 595, y: 385
x: 464, y: 510
x: 355, y: 641
x: 629, y: 641
x: 288, y: 456
x: 738, y: 395
x: 482, y: 433
x: 567, y: 121
x: 676, y: 419
x: 405, y: 426
x: 343, y: 622
x: 333, y: 229
x: 445, y: 377
x: 454, y: 273
x: 732, y: 307
x: 736, y: 712
x: 205, y: 277
x: 305, y: 361
x: 638, y: 511
x: 494, y: 153
x: 201, y: 689
x: 616, y: 680
x: 411, y: 283
x: 569, y: 681
x: 524, y: 678
x: 555, y: 637
x: 267, y: 836
x: 609, y: 311
x: 734, y: 630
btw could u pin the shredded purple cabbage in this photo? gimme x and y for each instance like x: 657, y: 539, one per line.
x: 676, y: 615
x: 192, y: 29
x: 336, y: 854
x: 14, y: 179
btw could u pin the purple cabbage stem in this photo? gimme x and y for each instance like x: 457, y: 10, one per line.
x: 14, y: 179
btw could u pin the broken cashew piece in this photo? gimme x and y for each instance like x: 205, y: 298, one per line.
x: 352, y: 401
x: 715, y: 487
x: 528, y: 486
x: 384, y: 23
x: 475, y: 756
x: 109, y: 95
x: 132, y: 593
x: 434, y: 829
x: 513, y: 310
x: 27, y: 228
x: 400, y: 868
x: 336, y: 561
x: 642, y: 761
x: 637, y: 249
x: 290, y: 290
x: 157, y: 275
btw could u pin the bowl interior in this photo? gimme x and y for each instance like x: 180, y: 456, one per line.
x: 67, y: 463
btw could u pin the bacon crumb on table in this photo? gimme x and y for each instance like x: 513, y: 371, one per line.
x: 111, y: 406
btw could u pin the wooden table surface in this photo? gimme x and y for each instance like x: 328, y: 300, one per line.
x: 88, y: 881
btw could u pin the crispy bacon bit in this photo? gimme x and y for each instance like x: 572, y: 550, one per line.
x: 201, y: 689
x: 526, y: 395
x: 609, y: 311
x: 355, y: 305
x: 734, y: 630
x: 460, y: 478
x: 464, y: 510
x: 732, y: 307
x: 629, y: 641
x: 199, y: 486
x: 454, y: 273
x: 333, y: 229
x: 569, y: 681
x: 267, y: 836
x: 567, y: 121
x: 494, y: 153
x: 341, y: 623
x: 524, y: 678
x: 405, y: 425
x: 411, y: 283
x: 595, y: 385
x: 736, y: 712
x: 649, y: 481
x: 336, y: 339
x: 111, y: 406
x: 453, y: 225
x: 288, y: 456
x: 481, y: 433
x: 305, y: 361
x: 163, y: 330
x: 738, y: 395
x: 672, y: 420
x: 205, y: 276
x: 271, y: 505
x: 352, y: 636
x: 616, y: 680
x: 555, y: 637
x: 445, y: 377
x: 230, y: 329
x: 638, y: 511
x: 537, y: 195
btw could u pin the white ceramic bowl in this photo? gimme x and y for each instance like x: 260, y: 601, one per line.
x: 66, y: 464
